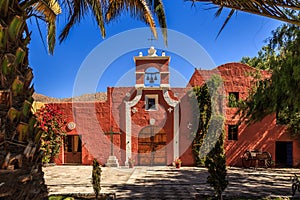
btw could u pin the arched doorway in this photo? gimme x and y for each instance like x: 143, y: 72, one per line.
x: 152, y: 146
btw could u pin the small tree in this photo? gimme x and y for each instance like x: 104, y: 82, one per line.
x: 215, y: 160
x: 96, y: 177
x: 50, y: 122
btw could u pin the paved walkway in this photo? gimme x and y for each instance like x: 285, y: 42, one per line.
x: 169, y: 182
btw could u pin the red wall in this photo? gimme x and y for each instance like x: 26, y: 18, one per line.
x: 261, y: 135
x: 94, y: 119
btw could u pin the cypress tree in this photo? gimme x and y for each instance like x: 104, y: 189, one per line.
x: 215, y: 160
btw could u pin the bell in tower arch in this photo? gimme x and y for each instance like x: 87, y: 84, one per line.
x: 152, y: 77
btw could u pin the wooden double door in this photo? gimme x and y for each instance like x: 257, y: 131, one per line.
x: 152, y: 146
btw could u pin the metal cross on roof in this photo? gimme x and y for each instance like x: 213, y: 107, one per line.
x: 151, y: 39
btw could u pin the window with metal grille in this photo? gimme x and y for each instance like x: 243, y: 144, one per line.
x: 151, y: 102
x: 233, y: 132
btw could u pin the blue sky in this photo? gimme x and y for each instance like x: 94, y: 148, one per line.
x: 56, y: 75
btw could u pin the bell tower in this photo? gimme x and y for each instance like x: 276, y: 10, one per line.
x: 152, y: 70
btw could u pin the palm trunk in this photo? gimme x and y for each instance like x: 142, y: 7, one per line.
x: 21, y: 176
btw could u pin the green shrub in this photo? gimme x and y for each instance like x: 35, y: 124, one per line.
x: 96, y: 177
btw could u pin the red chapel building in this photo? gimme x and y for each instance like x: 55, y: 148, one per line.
x: 151, y: 122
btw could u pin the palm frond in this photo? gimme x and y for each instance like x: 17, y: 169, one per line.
x: 137, y: 8
x: 40, y: 33
x: 51, y: 36
x: 49, y: 10
x: 161, y: 16
x: 283, y: 10
x: 114, y: 9
x: 275, y: 9
x: 226, y: 21
x: 97, y: 8
x: 75, y: 10
x: 219, y: 11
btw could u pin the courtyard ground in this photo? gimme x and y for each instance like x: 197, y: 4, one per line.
x: 169, y: 182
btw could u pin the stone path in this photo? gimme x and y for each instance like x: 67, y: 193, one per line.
x: 169, y: 182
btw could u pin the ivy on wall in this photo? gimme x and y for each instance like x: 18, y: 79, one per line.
x: 202, y: 119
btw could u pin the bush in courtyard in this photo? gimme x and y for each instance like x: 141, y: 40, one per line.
x: 96, y: 177
x: 50, y: 122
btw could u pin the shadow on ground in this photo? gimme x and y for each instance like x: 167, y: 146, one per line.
x: 186, y: 183
x: 171, y: 183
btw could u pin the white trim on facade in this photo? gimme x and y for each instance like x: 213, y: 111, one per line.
x: 167, y: 86
x: 168, y: 99
x: 138, y: 86
x: 128, y: 105
x: 176, y: 132
x: 175, y: 105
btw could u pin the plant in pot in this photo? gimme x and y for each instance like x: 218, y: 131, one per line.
x: 131, y: 162
x: 177, y: 162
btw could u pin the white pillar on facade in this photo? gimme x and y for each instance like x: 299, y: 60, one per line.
x: 175, y: 104
x: 128, y: 106
x: 176, y: 131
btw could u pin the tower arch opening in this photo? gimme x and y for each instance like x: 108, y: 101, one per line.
x: 152, y: 77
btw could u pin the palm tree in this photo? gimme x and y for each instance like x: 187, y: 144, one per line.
x: 286, y: 11
x: 19, y: 138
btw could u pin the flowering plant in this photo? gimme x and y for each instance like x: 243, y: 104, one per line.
x: 177, y: 161
x: 50, y: 122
